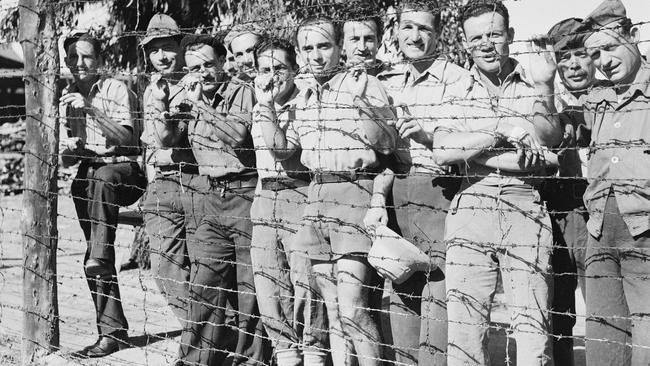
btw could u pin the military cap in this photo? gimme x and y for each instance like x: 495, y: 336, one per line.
x: 609, y: 11
x: 160, y: 26
x: 567, y: 34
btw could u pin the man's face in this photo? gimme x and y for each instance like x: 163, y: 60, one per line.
x: 417, y: 36
x: 487, y: 38
x: 317, y: 47
x: 230, y: 66
x: 204, y: 62
x: 82, y: 60
x: 275, y: 69
x: 360, y: 42
x: 163, y: 54
x: 615, y: 55
x: 243, y: 48
x: 576, y: 69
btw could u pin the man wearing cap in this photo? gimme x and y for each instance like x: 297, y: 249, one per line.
x: 101, y: 134
x: 497, y: 222
x: 618, y: 195
x: 340, y: 125
x: 173, y: 161
x: 219, y: 226
x: 422, y: 189
x: 563, y: 193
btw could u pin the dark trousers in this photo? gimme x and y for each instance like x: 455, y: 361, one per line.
x: 165, y: 221
x: 618, y: 294
x: 218, y: 243
x: 418, y: 310
x: 569, y: 221
x: 98, y: 191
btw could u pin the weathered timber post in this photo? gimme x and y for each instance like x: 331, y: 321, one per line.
x: 40, y: 47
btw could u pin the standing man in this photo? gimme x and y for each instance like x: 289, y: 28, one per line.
x: 103, y: 136
x: 422, y: 189
x: 220, y: 197
x: 173, y: 161
x: 497, y: 221
x: 239, y: 95
x: 618, y: 289
x: 294, y: 318
x: 563, y: 193
x: 341, y: 147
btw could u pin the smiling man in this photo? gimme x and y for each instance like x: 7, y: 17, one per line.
x: 618, y: 289
x: 102, y: 135
x: 173, y: 162
x: 340, y: 127
x: 422, y: 189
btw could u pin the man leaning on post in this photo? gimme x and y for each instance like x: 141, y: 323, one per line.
x: 618, y: 195
x: 102, y: 135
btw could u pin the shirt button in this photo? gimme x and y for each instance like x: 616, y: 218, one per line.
x: 614, y: 159
x: 617, y: 125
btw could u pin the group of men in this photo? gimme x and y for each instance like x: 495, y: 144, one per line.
x: 267, y: 184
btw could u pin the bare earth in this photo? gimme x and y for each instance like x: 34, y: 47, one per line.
x: 154, y: 332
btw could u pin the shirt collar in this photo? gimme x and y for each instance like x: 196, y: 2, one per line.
x: 436, y: 70
x: 607, y: 92
x: 641, y: 83
x: 518, y: 74
x: 74, y: 87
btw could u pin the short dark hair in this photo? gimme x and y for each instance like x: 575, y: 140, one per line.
x: 475, y: 8
x: 338, y: 28
x: 275, y: 43
x: 202, y: 39
x: 358, y: 11
x: 429, y: 6
x: 97, y: 46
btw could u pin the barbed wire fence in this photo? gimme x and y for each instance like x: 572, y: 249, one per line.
x: 52, y: 263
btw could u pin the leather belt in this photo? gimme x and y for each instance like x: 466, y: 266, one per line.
x: 178, y: 168
x: 279, y: 184
x: 340, y: 177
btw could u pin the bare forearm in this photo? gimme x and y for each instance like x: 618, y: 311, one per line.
x: 382, y: 137
x: 274, y: 137
x: 545, y: 118
x: 511, y: 161
x: 115, y: 133
x: 231, y: 129
x: 457, y: 147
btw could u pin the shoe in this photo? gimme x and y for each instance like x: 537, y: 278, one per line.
x: 108, y: 344
x: 97, y: 268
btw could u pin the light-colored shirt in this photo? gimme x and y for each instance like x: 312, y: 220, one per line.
x: 215, y: 157
x: 473, y: 108
x: 267, y: 166
x: 115, y: 100
x: 423, y: 96
x: 328, y: 125
x: 159, y: 155
x: 619, y: 158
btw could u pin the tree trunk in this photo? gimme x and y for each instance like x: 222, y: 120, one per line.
x: 39, y: 230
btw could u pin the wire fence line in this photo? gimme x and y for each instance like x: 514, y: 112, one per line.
x: 280, y: 261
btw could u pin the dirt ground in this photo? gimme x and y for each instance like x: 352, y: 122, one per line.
x: 154, y: 332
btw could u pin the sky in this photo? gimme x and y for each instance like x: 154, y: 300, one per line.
x: 529, y: 17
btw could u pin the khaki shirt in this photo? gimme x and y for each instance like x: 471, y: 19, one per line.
x: 114, y: 99
x: 619, y: 158
x: 267, y: 166
x: 214, y: 157
x: 423, y: 97
x: 477, y: 110
x: 328, y: 126
x: 158, y: 155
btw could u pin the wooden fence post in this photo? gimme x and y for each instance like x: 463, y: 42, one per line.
x: 39, y: 222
